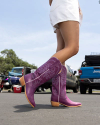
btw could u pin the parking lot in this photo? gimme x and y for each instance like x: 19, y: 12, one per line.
x: 14, y: 109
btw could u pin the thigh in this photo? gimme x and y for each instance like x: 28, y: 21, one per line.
x: 60, y: 41
x: 70, y: 32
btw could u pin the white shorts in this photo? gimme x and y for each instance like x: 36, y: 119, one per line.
x: 63, y: 10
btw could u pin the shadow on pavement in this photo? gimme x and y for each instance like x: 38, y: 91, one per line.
x: 42, y: 92
x: 28, y: 107
x: 47, y: 92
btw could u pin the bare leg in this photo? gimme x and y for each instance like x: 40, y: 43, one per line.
x: 68, y: 44
x: 70, y: 33
x: 60, y: 42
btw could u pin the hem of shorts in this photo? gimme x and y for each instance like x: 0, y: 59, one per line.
x: 60, y: 21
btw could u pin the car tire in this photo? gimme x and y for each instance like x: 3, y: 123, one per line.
x: 12, y: 88
x: 90, y: 90
x: 43, y: 89
x: 23, y: 89
x: 9, y: 90
x: 39, y: 89
x: 82, y: 88
x: 1, y: 89
x: 76, y: 89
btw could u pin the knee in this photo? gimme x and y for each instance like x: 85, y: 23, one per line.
x: 75, y: 50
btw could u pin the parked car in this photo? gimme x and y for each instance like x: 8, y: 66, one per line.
x: 1, y: 86
x: 15, y: 75
x: 90, y: 74
x: 17, y: 72
x: 71, y: 81
x: 4, y: 82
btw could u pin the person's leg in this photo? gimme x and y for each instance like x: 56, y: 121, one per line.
x: 59, y: 95
x: 70, y: 33
x: 53, y: 66
x: 68, y: 42
x: 60, y: 41
x: 44, y: 73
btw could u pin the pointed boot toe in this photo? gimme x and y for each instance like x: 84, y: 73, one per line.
x: 59, y: 95
x: 44, y: 73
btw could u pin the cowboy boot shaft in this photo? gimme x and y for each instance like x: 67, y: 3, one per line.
x: 43, y: 73
x: 59, y: 90
x: 55, y: 88
x: 63, y: 83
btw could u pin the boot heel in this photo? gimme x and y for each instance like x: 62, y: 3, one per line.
x: 55, y: 104
x: 22, y: 81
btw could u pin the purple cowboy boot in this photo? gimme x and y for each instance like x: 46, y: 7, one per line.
x: 59, y: 91
x: 40, y: 76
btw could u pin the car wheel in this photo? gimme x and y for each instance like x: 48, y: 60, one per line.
x: 39, y: 89
x: 1, y: 89
x: 9, y: 90
x: 82, y: 88
x: 23, y: 90
x: 12, y: 88
x: 43, y: 89
x: 76, y: 89
x: 90, y: 90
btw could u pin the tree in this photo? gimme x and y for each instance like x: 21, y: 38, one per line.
x: 9, y: 59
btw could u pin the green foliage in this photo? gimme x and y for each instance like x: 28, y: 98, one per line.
x: 9, y: 59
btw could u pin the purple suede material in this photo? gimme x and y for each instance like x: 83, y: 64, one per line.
x: 40, y: 76
x: 59, y: 89
x: 29, y: 92
x: 55, y: 88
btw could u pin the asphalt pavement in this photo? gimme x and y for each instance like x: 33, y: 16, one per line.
x: 15, y: 110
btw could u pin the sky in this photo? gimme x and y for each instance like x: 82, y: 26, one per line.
x: 25, y: 27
